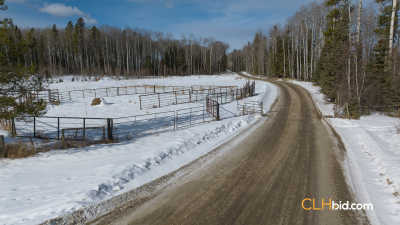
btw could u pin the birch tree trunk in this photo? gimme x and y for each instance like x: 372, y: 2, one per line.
x: 394, y: 10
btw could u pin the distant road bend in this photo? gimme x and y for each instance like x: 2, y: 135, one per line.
x: 261, y: 180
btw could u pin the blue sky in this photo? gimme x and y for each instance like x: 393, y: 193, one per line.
x: 231, y: 21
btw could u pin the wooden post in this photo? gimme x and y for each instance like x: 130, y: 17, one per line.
x: 140, y: 102
x: 84, y: 129
x: 34, y: 126
x: 58, y: 128
x: 159, y: 101
x: 110, y: 129
x: 13, y: 128
x: 176, y: 98
x: 2, y: 147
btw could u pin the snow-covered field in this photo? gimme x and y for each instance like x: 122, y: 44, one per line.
x: 59, y: 182
x: 372, y: 161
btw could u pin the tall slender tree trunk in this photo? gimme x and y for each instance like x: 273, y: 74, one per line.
x: 394, y: 11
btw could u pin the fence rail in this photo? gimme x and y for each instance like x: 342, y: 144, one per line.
x: 83, y: 128
x: 250, y: 107
x: 185, y: 96
x: 56, y: 96
x: 79, y: 128
x: 222, y: 95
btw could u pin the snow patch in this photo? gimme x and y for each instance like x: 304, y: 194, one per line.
x: 372, y: 163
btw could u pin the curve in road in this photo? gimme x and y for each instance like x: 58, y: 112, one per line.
x: 263, y: 179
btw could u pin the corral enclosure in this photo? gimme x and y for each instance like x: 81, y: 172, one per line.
x: 140, y: 109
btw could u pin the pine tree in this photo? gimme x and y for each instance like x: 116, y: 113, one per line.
x: 381, y: 90
x: 16, y: 78
x: 331, y: 72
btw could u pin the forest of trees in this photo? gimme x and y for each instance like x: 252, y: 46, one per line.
x: 350, y: 49
x: 78, y: 49
x: 347, y: 47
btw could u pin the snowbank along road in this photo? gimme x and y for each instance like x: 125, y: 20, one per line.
x: 262, y: 180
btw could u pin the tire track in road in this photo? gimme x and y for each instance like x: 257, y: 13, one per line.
x: 262, y: 180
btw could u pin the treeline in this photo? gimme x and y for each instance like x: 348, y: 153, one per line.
x: 348, y: 48
x: 78, y: 49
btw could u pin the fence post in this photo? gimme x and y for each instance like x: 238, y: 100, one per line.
x: 110, y: 129
x: 218, y: 118
x: 2, y: 147
x: 58, y: 128
x: 140, y: 102
x: 58, y: 96
x: 13, y: 127
x: 190, y: 96
x: 159, y: 101
x: 176, y: 98
x: 84, y: 129
x: 175, y: 115
x: 34, y: 126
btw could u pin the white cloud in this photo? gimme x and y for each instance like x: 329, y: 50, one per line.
x: 58, y: 9
x: 61, y: 10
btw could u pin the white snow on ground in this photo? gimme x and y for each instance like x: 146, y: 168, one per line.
x: 68, y: 84
x: 372, y: 161
x: 319, y: 99
x: 59, y: 182
x: 122, y: 106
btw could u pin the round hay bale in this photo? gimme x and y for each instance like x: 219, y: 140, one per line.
x: 96, y: 101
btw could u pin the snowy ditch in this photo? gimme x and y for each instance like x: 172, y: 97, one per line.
x: 56, y: 183
x: 372, y: 162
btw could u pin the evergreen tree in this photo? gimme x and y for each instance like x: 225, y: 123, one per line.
x: 16, y: 78
x: 382, y: 90
x: 332, y: 67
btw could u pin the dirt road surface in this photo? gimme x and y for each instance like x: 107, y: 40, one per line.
x: 261, y: 180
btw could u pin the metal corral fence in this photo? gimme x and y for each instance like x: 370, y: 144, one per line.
x: 55, y: 96
x: 81, y: 128
x: 78, y: 128
x: 74, y: 128
x: 221, y: 94
x: 249, y: 107
x: 160, y: 100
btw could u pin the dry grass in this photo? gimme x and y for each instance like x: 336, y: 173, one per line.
x: 96, y: 101
x: 26, y: 149
x: 19, y: 150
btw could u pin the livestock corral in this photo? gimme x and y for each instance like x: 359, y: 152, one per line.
x: 141, y: 108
